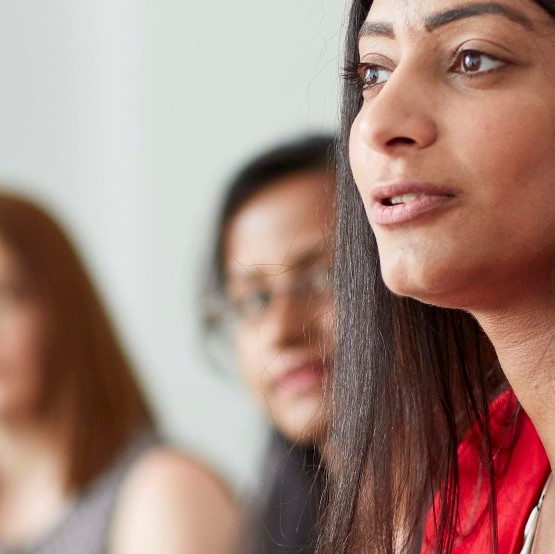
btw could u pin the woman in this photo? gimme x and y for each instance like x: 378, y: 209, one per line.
x: 445, y: 228
x: 81, y: 467
x: 270, y: 270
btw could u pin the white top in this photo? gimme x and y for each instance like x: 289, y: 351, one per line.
x: 532, y: 523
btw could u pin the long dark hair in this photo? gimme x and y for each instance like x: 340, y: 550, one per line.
x: 89, y: 390
x: 409, y: 380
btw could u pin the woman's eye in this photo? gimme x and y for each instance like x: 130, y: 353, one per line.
x: 251, y: 304
x: 472, y: 61
x: 372, y: 75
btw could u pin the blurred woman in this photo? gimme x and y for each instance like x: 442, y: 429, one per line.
x: 82, y: 469
x: 270, y: 281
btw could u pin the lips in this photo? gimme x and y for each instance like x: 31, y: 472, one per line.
x: 299, y: 378
x: 399, y: 202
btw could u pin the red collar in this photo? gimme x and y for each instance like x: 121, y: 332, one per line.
x: 521, y: 468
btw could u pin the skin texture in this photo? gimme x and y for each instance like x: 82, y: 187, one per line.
x: 488, y: 136
x: 276, y: 234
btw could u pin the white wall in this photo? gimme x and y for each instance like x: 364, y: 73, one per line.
x: 127, y: 117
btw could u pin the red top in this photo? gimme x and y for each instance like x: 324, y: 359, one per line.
x: 521, y: 469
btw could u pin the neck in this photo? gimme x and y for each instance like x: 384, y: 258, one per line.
x: 523, y: 336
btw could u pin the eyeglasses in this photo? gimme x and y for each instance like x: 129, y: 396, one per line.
x: 308, y: 285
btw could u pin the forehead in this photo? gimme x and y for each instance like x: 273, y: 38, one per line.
x: 279, y: 225
x: 404, y: 11
x: 414, y: 13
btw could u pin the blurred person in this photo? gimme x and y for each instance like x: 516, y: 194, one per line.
x: 82, y: 468
x: 270, y: 280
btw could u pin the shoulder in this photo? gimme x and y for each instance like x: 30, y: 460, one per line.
x: 163, y: 472
x: 172, y: 503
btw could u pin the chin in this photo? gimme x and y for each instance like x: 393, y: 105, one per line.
x: 303, y: 423
x: 429, y: 283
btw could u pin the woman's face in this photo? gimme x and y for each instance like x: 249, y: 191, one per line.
x: 21, y: 341
x: 453, y: 150
x: 277, y: 265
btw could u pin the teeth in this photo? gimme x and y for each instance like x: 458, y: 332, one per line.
x: 402, y: 199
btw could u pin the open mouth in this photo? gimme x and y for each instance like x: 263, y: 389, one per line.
x: 400, y: 199
x: 397, y: 208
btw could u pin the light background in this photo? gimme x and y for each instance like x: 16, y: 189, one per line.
x: 127, y: 117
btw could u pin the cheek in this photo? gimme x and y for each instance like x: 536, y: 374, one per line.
x: 513, y: 146
x: 509, y: 166
x: 357, y: 157
x: 322, y: 327
x: 22, y: 359
x: 249, y: 360
x: 24, y: 338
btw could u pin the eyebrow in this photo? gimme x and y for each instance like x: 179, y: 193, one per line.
x: 490, y: 8
x: 304, y: 259
x: 370, y: 29
x: 433, y: 22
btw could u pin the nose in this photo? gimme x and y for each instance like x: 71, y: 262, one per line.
x: 400, y: 117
